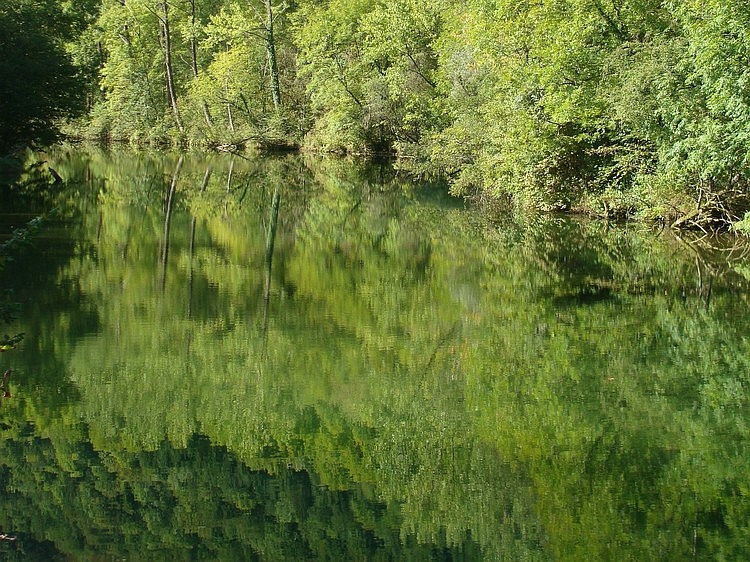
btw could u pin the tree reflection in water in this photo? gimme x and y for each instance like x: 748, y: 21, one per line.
x: 405, y: 379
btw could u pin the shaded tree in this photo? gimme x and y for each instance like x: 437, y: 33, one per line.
x: 38, y: 82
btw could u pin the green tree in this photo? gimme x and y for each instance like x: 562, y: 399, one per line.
x: 132, y: 76
x: 612, y: 107
x: 706, y: 120
x: 38, y: 82
x: 529, y: 116
x: 166, y: 41
x: 370, y: 71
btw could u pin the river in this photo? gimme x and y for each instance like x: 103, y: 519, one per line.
x: 283, y: 358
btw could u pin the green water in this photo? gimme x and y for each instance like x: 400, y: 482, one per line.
x: 407, y: 379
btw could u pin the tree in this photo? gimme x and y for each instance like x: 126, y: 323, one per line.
x: 193, y: 32
x: 707, y: 130
x: 273, y: 66
x: 166, y: 37
x: 38, y: 82
x: 244, y: 79
x: 132, y: 75
x: 370, y: 70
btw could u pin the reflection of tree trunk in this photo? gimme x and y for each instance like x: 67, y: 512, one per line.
x: 167, y: 44
x: 168, y: 222
x: 206, y: 177
x: 270, y: 240
x: 231, y: 174
x: 704, y: 286
x: 190, y: 269
x: 229, y: 184
x: 126, y: 245
x: 271, y: 236
x: 193, y: 222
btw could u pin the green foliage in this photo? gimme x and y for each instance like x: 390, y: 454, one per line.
x: 616, y: 108
x: 131, y: 78
x: 236, y: 82
x: 18, y: 238
x: 370, y: 69
x: 712, y: 145
x: 38, y: 83
x: 218, y: 65
x: 526, y: 84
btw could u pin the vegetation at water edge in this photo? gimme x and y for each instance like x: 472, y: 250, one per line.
x: 613, y: 107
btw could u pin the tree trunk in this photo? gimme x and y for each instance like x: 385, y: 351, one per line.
x: 167, y: 44
x: 194, y: 61
x: 230, y: 117
x: 273, y: 67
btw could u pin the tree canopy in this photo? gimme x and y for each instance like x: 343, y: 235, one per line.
x: 614, y: 107
x: 38, y: 80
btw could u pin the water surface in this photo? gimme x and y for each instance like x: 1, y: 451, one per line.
x: 372, y: 372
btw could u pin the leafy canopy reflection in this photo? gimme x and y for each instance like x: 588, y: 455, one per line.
x: 409, y: 371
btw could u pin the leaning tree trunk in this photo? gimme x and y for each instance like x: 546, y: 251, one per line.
x: 167, y: 45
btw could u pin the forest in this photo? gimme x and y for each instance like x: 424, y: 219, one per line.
x: 613, y: 108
